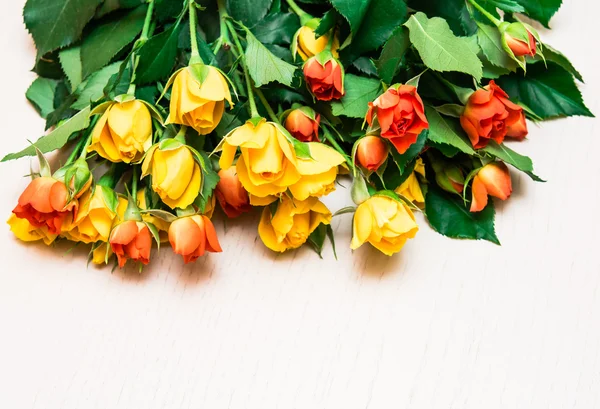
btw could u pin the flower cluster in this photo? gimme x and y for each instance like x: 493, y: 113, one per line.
x: 232, y: 117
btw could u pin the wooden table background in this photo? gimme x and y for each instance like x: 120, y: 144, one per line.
x: 445, y: 324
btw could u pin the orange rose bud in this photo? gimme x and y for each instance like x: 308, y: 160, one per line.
x: 302, y: 126
x: 371, y: 152
x: 44, y: 203
x: 488, y: 115
x: 325, y: 81
x: 520, y: 40
x: 493, y: 180
x: 518, y: 130
x: 230, y: 193
x: 401, y: 115
x: 131, y: 240
x: 192, y: 236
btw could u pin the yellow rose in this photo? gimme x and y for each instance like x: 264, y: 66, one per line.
x: 176, y: 175
x: 292, y: 223
x: 24, y: 231
x: 384, y: 222
x: 196, y: 105
x: 161, y: 225
x: 410, y: 188
x: 318, y: 173
x: 123, y: 133
x: 101, y: 254
x: 267, y: 165
x: 308, y: 45
x: 209, y: 210
x: 95, y: 217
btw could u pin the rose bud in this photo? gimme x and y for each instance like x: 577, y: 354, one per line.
x: 230, y: 193
x: 384, y: 222
x: 400, y: 114
x: 176, y: 175
x: 45, y: 202
x: 518, y: 130
x: 192, y: 236
x: 123, y: 133
x: 488, y: 115
x: 372, y: 152
x: 519, y: 39
x: 303, y: 124
x: 131, y: 240
x: 95, y: 217
x: 325, y: 81
x: 199, y: 105
x: 448, y: 176
x: 308, y: 45
x: 493, y: 180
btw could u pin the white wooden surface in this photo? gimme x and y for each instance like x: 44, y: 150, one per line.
x: 445, y: 324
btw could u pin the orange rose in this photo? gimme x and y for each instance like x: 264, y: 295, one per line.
x: 488, y: 115
x: 326, y: 81
x: 494, y: 180
x: 371, y: 152
x: 45, y: 203
x: 131, y: 240
x: 401, y: 115
x: 192, y: 236
x: 518, y: 130
x: 303, y: 127
x: 230, y: 193
x: 519, y: 39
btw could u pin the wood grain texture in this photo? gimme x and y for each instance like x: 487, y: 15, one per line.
x: 445, y: 324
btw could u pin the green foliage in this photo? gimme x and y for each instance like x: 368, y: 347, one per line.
x: 442, y: 132
x: 92, y: 89
x: 70, y: 62
x: 440, y: 49
x: 391, y: 55
x: 157, y: 56
x: 264, y: 66
x: 41, y: 95
x: 541, y: 10
x: 404, y: 159
x: 210, y: 178
x: 504, y: 153
x: 277, y: 28
x: 555, y: 56
x: 490, y: 42
x: 249, y: 12
x: 359, y: 92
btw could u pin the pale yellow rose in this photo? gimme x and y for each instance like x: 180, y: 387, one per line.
x: 196, y: 105
x: 384, y: 222
x: 292, y: 223
x: 123, y: 133
x: 24, y: 231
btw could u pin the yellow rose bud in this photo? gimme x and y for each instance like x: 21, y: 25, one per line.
x: 101, y: 254
x: 410, y: 188
x: 123, y: 133
x: 292, y: 223
x: 176, y: 175
x: 384, y: 222
x: 161, y: 225
x: 24, y: 231
x: 196, y: 105
x: 318, y: 173
x: 267, y: 165
x: 308, y: 45
x: 95, y: 217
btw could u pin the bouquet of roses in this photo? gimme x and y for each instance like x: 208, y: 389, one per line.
x: 180, y: 104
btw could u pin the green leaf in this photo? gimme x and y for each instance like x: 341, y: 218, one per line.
x: 377, y: 24
x: 317, y: 239
x: 541, y: 10
x: 41, y: 95
x: 57, y: 138
x: 249, y: 12
x: 440, y: 49
x: 107, y: 39
x: 490, y: 42
x: 55, y: 24
x: 504, y: 153
x: 264, y: 66
x: 453, y: 11
x: 389, y: 61
x: 549, y: 93
x: 448, y: 215
x: 166, y: 9
x: 157, y: 56
x: 359, y: 92
x: 365, y: 65
x: 510, y: 6
x: 277, y: 28
x: 70, y: 62
x: 555, y: 56
x: 327, y: 22
x: 210, y: 178
x: 440, y: 131
x: 402, y: 160
x: 93, y: 88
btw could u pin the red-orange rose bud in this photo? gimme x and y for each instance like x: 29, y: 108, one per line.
x: 488, y: 115
x: 493, y: 180
x: 192, y: 236
x: 518, y: 130
x: 520, y: 40
x: 230, y: 193
x: 303, y: 127
x: 371, y: 152
x: 131, y: 240
x: 44, y: 203
x: 401, y: 115
x: 325, y: 81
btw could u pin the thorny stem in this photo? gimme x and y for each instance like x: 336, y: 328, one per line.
x: 236, y: 40
x: 196, y: 59
x: 267, y: 106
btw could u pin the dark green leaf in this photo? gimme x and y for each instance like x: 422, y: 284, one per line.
x: 210, y: 178
x: 453, y: 11
x: 359, y: 92
x: 277, y: 28
x: 391, y: 54
x: 402, y: 160
x: 510, y: 6
x: 441, y: 131
x: 448, y: 215
x: 365, y: 65
x: 157, y: 56
x: 93, y: 88
x: 552, y: 54
x: 249, y: 12
x: 41, y: 95
x: 327, y: 22
x: 317, y: 239
x: 541, y: 10
x: 167, y: 9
